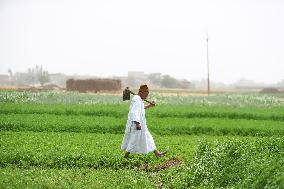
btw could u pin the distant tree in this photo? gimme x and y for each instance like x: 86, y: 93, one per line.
x: 37, y: 74
x: 155, y: 78
x: 169, y: 82
x: 31, y: 76
x: 185, y: 84
x: 42, y: 75
x: 21, y: 78
x: 10, y: 76
x: 10, y: 73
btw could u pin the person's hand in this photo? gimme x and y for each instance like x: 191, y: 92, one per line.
x: 152, y: 104
x: 138, y: 126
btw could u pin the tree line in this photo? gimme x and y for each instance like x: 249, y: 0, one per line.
x: 33, y: 76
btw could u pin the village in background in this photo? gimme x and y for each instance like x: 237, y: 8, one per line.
x: 38, y: 79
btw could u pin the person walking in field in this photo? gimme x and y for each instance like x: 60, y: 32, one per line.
x: 137, y: 139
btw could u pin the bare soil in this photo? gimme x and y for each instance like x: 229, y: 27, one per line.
x: 173, y: 162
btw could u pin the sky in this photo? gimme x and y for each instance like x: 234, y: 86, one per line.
x: 109, y: 38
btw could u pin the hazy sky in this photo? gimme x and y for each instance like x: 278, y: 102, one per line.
x: 106, y: 38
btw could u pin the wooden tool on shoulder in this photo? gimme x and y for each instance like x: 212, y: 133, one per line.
x: 126, y: 95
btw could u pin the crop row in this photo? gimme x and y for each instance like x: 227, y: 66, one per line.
x: 237, y: 100
x: 209, y: 162
x: 181, y: 111
x: 57, y: 98
x: 13, y: 177
x: 62, y: 109
x: 232, y: 164
x: 82, y: 150
x: 162, y: 126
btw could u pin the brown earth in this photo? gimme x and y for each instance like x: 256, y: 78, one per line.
x: 173, y: 162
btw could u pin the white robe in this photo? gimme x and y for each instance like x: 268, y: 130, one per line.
x: 137, y: 141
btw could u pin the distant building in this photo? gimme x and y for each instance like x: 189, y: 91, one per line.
x: 135, y: 79
x: 281, y: 84
x: 249, y: 84
x: 93, y: 85
x: 4, y: 79
x: 58, y: 79
x: 139, y: 75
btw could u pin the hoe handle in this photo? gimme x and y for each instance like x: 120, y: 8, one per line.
x: 144, y: 99
x: 149, y: 102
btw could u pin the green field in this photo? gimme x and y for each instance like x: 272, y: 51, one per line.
x: 72, y: 140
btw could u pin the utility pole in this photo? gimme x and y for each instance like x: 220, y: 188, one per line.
x: 208, y: 80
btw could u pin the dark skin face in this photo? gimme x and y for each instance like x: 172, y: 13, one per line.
x: 143, y: 94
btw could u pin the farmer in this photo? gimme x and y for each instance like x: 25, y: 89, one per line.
x: 137, y: 138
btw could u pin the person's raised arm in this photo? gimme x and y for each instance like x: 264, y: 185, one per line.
x: 153, y: 104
